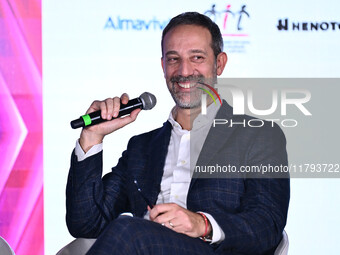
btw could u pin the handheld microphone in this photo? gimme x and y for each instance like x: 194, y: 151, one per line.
x: 146, y: 101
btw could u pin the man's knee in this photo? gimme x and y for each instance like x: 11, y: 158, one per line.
x: 136, y: 233
x: 129, y: 235
x: 131, y: 229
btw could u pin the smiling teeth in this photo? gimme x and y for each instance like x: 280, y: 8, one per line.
x: 186, y: 85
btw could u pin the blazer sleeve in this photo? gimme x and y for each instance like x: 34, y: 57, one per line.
x: 92, y: 201
x: 256, y: 228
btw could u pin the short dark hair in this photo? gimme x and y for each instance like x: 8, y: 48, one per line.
x: 195, y: 18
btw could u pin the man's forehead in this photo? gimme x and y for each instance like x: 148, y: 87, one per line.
x: 187, y: 34
x: 192, y: 51
x: 187, y: 29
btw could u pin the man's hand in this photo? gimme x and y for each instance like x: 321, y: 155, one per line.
x: 179, y: 219
x: 109, y: 108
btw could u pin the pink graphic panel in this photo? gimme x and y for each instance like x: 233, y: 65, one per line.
x: 21, y: 144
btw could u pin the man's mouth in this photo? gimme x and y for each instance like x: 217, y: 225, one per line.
x: 186, y: 85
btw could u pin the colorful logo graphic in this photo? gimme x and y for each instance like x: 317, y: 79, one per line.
x: 233, y: 21
x: 222, y: 18
x: 204, y: 97
x: 208, y: 92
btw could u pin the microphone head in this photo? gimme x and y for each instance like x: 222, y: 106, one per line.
x: 148, y: 100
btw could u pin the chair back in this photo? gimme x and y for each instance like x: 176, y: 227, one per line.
x: 5, y: 249
x: 282, y: 248
x: 78, y: 246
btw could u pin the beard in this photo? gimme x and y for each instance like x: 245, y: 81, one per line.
x: 191, y: 99
x: 186, y: 100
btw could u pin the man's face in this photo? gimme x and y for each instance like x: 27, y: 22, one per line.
x: 188, y: 58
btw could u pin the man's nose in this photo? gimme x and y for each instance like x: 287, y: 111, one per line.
x: 186, y: 68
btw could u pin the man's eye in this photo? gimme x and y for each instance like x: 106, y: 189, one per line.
x: 172, y: 60
x: 198, y: 58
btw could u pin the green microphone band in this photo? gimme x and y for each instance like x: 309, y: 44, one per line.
x: 87, y: 119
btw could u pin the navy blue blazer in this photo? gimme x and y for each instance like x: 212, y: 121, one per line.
x: 251, y: 211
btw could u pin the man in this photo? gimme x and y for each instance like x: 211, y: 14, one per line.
x: 190, y: 215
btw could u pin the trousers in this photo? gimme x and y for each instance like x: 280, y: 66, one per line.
x: 137, y: 236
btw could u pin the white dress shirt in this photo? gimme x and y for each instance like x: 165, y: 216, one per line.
x: 183, y: 151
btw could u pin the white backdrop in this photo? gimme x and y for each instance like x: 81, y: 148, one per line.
x: 90, y: 53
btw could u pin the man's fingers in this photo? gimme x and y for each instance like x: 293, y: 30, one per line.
x: 178, y: 219
x: 124, y: 98
x: 95, y: 106
x: 116, y: 106
x: 109, y: 107
x: 163, y: 218
x: 128, y: 119
x: 178, y: 225
x: 103, y: 109
x: 134, y: 114
x: 174, y: 224
x: 160, y: 209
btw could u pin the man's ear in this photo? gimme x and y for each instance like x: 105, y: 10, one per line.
x: 221, y: 61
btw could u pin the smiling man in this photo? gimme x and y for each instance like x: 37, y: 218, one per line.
x: 189, y: 215
x: 190, y: 56
x: 186, y: 62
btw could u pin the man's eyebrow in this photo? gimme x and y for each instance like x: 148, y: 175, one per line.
x: 171, y: 52
x: 198, y: 51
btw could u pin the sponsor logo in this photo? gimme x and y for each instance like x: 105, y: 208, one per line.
x: 286, y: 25
x: 128, y: 24
x: 233, y: 22
x: 230, y: 19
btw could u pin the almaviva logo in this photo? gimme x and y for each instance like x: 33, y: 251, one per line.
x: 118, y: 23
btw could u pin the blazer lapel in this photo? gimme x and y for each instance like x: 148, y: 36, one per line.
x: 217, y: 137
x: 157, y: 153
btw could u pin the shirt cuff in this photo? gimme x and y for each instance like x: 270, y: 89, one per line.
x: 81, y: 155
x: 218, y: 234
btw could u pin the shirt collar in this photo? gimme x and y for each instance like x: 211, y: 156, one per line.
x: 200, y: 121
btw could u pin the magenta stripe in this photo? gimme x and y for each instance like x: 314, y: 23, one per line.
x: 14, y: 132
x: 21, y: 148
x: 235, y: 35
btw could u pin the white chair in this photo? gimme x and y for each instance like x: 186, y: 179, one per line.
x: 78, y: 246
x: 5, y: 249
x: 282, y: 248
x: 82, y: 245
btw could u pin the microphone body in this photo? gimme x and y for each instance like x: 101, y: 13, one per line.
x: 146, y: 101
